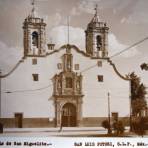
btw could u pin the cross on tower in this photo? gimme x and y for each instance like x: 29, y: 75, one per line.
x: 33, y: 7
x: 32, y: 2
x: 96, y: 16
x: 96, y: 9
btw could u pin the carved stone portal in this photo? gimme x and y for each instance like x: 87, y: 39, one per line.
x: 67, y: 94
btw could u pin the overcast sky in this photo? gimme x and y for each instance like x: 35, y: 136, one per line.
x: 127, y: 20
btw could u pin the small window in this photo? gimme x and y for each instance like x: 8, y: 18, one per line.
x: 59, y: 65
x: 100, y: 78
x: 76, y: 66
x: 68, y: 82
x: 99, y: 63
x: 34, y: 61
x: 35, y: 77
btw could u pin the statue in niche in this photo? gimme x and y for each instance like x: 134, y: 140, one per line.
x: 78, y: 84
x: 59, y: 84
x: 69, y: 82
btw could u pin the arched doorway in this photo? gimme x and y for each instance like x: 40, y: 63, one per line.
x: 68, y: 115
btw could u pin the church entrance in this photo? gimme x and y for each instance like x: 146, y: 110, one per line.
x: 69, y: 116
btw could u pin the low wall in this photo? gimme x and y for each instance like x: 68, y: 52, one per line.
x: 97, y: 121
x: 44, y: 122
x: 27, y: 122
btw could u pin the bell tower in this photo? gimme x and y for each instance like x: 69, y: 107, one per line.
x: 97, y: 37
x: 34, y: 34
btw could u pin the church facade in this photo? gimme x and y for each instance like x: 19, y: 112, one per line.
x: 67, y: 86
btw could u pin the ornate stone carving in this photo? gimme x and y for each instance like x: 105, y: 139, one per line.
x: 34, y: 36
x: 68, y: 90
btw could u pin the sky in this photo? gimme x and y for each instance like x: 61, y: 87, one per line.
x: 127, y: 20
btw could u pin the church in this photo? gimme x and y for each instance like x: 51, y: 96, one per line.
x: 67, y: 86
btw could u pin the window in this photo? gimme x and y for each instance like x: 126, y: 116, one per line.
x: 35, y: 77
x: 99, y: 63
x: 35, y: 38
x: 34, y: 61
x: 100, y: 78
x: 99, y: 41
x: 76, y: 66
x: 68, y: 82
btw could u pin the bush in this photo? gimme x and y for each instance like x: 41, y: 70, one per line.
x: 118, y: 127
x: 138, y: 126
x: 106, y: 125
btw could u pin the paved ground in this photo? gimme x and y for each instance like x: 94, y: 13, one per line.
x: 53, y: 131
x: 67, y: 132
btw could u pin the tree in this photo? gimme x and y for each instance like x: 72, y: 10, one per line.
x: 144, y: 66
x: 137, y: 106
x: 139, y: 126
x: 138, y: 92
x: 106, y: 125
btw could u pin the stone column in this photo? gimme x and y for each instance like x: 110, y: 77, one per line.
x: 79, y: 112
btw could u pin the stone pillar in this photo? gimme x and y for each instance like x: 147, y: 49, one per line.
x: 58, y: 115
x: 79, y: 112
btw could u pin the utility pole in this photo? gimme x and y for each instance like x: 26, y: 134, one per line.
x: 109, y: 129
x: 130, y: 105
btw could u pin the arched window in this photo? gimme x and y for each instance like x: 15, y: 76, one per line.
x: 99, y: 41
x: 68, y: 82
x: 35, y: 38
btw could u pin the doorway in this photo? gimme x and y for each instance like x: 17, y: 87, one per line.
x: 69, y: 116
x: 19, y: 120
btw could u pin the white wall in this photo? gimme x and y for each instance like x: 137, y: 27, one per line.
x: 40, y: 103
